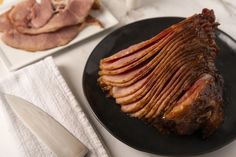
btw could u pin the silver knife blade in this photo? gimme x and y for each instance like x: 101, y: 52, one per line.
x: 46, y: 128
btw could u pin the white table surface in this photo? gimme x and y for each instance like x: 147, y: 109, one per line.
x: 71, y: 63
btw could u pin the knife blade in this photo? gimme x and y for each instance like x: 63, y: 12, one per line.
x: 46, y: 128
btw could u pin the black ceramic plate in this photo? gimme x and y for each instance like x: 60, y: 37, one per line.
x: 136, y: 133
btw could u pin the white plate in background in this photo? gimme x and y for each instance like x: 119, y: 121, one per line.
x: 16, y: 58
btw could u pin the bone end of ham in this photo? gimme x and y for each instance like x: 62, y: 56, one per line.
x: 199, y: 106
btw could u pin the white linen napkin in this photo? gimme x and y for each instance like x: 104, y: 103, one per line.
x: 43, y: 85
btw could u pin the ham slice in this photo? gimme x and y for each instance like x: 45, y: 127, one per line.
x: 74, y: 13
x: 41, y: 13
x: 40, y: 42
x: 5, y: 24
x: 19, y: 14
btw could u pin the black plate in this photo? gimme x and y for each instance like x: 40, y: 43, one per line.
x: 136, y: 133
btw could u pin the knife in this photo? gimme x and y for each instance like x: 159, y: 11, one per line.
x: 46, y: 128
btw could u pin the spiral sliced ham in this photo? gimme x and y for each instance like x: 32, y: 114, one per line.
x: 170, y: 80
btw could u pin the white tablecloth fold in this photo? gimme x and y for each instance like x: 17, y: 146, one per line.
x: 43, y: 85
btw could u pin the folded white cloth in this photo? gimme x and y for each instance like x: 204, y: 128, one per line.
x: 43, y: 85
